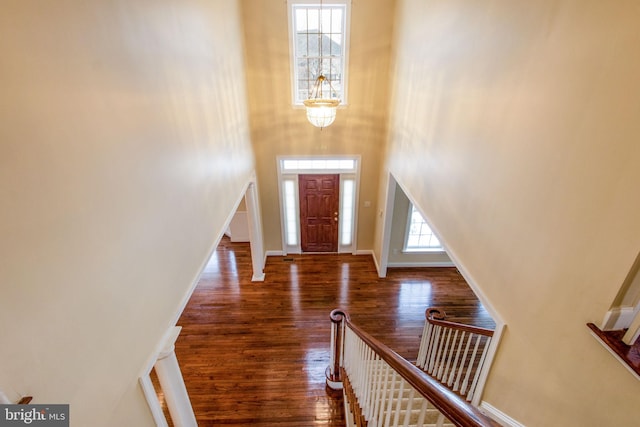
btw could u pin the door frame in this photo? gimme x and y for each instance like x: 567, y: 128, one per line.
x: 289, y: 177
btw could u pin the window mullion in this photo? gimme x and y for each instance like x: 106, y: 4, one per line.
x: 334, y: 31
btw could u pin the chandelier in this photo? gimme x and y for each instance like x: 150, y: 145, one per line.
x: 321, y: 110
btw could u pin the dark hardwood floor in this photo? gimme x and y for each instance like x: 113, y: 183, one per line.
x: 255, y: 353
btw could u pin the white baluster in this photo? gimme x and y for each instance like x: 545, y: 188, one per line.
x: 387, y: 419
x: 380, y: 404
x: 378, y: 390
x: 485, y: 350
x: 357, y: 368
x: 443, y: 338
x: 442, y: 353
x: 456, y: 385
x: 433, y: 348
x: 423, y: 413
x: 463, y: 389
x: 343, y: 326
x: 170, y: 378
x: 451, y: 356
x: 455, y: 362
x: 407, y: 411
x: 369, y: 383
x: 631, y: 336
x: 348, y: 352
x: 424, y: 345
x: 396, y: 415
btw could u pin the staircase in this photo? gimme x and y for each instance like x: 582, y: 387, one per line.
x: 383, y: 389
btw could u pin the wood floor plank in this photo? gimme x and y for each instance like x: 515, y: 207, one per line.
x: 255, y: 353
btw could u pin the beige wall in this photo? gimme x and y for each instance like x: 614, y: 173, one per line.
x: 124, y: 147
x: 277, y: 128
x: 515, y: 127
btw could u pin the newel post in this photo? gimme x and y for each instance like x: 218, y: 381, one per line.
x: 172, y: 384
x: 338, y: 320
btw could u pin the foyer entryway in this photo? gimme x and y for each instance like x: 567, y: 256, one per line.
x: 256, y: 353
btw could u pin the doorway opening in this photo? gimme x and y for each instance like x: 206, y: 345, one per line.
x: 318, y: 208
x: 161, y: 381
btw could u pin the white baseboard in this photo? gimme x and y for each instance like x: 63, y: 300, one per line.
x: 273, y: 253
x: 499, y: 416
x: 281, y: 253
x: 419, y: 264
x: 373, y: 257
x: 258, y: 278
x: 364, y: 252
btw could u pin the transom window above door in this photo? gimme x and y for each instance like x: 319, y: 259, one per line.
x: 319, y: 35
x: 318, y: 164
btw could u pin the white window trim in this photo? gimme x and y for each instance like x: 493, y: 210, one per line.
x: 407, y: 250
x: 345, y: 56
x: 293, y: 175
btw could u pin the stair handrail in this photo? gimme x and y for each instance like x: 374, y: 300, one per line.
x: 436, y: 316
x: 456, y: 409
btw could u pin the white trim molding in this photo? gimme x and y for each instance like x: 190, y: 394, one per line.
x: 259, y: 278
x: 618, y: 318
x: 419, y: 264
x: 152, y: 400
x: 254, y: 222
x: 274, y: 253
x: 499, y: 416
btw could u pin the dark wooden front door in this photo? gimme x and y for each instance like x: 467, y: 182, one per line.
x: 319, y: 203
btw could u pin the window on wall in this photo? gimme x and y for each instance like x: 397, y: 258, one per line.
x: 347, y: 211
x: 419, y: 236
x: 319, y: 39
x: 289, y: 192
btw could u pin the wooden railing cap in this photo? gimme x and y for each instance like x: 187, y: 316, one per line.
x: 435, y: 313
x: 437, y: 316
x: 338, y: 314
